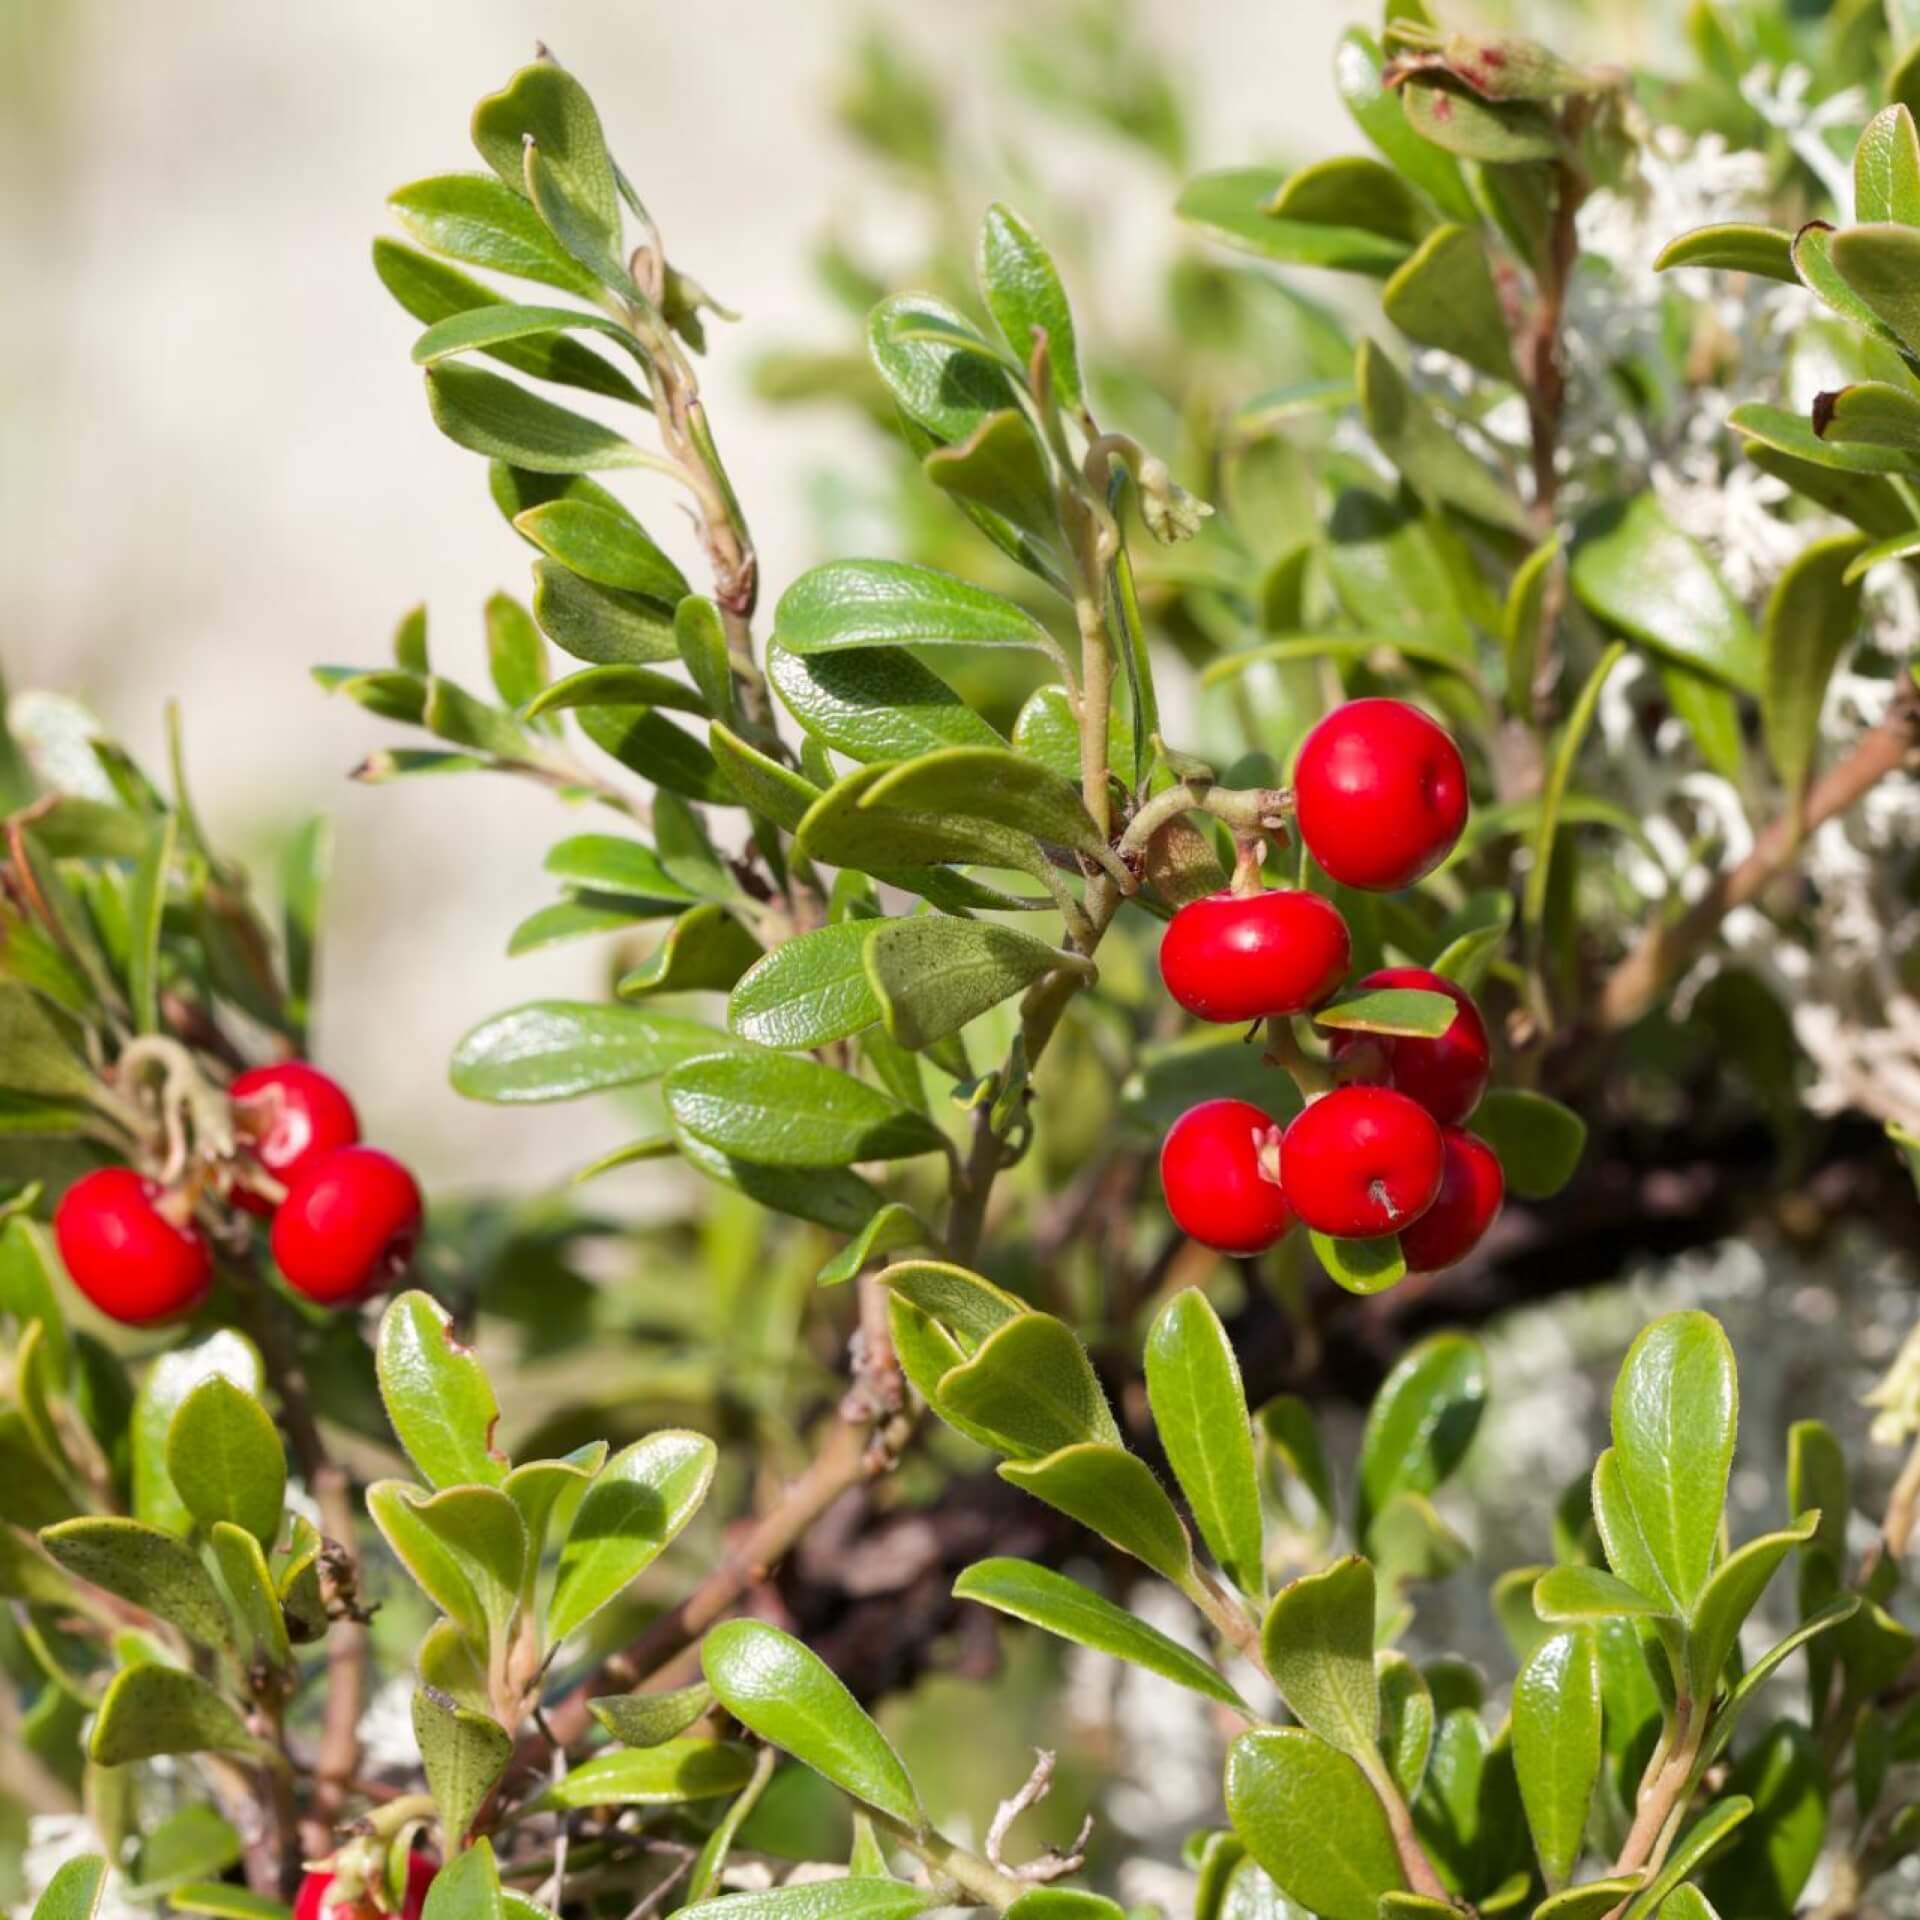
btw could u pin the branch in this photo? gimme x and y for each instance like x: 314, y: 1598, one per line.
x: 1666, y: 948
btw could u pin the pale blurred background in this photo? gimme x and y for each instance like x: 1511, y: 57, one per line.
x: 218, y: 470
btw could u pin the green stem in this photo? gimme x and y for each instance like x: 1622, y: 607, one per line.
x: 986, y: 1885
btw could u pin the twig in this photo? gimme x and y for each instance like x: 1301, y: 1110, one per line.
x: 1664, y: 949
x: 1053, y: 1864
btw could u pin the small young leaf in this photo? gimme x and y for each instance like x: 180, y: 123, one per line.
x: 1361, y: 1266
x: 650, y: 1719
x: 1430, y: 457
x: 1695, y: 1847
x: 1200, y: 1412
x: 437, y: 1395
x: 1421, y: 1422
x: 1577, y: 1595
x: 543, y: 103
x: 1734, y: 247
x: 706, y: 949
x: 783, y: 1691
x: 1879, y: 262
x: 1556, y: 1747
x: 1813, y: 612
x: 611, y: 549
x: 1730, y: 1595
x: 632, y: 1512
x: 225, y: 1459
x: 1318, y: 1643
x: 1030, y: 1383
x: 943, y: 373
x: 168, y: 1382
x: 249, y: 1584
x: 467, y: 1888
x: 1022, y: 289
x: 1675, y: 1406
x: 464, y: 1754
x: 1406, y: 1720
x: 848, y: 1899
x: 1062, y: 1606
x: 1114, y: 1492
x: 1305, y: 1812
x: 604, y: 626
x: 1394, y: 1010
x: 893, y: 1227
x: 1773, y: 1855
x: 649, y: 744
x: 479, y: 221
x: 73, y: 1891
x: 1234, y: 206
x: 1444, y: 297
x: 491, y: 416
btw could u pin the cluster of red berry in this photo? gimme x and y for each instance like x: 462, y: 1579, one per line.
x: 1380, y: 798
x: 345, y: 1217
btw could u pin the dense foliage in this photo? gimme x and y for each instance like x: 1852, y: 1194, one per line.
x: 1587, y: 524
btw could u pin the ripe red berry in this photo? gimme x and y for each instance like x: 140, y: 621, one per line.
x: 1471, y: 1190
x: 288, y: 1114
x: 1447, y: 1075
x: 1219, y: 1167
x: 310, y: 1903
x: 1380, y: 793
x: 136, y: 1265
x: 1239, y: 957
x: 348, y: 1226
x: 1360, y: 1162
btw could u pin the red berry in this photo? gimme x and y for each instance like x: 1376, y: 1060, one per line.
x: 1220, y: 1171
x: 287, y: 1115
x: 310, y: 1903
x: 1446, y: 1075
x: 124, y: 1254
x: 1360, y: 1162
x: 348, y: 1226
x: 1239, y: 957
x: 1471, y: 1190
x: 1380, y: 792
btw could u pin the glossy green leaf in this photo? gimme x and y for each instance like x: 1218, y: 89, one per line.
x: 1730, y: 1595
x: 1360, y: 1266
x: 1421, y: 1422
x: 609, y: 549
x: 870, y: 603
x: 142, y: 1564
x: 894, y: 1226
x: 1427, y: 452
x: 37, y: 1055
x: 1234, y: 206
x: 706, y: 948
x: 580, y: 917
x: 808, y: 991
x: 146, y: 902
x: 832, y: 1197
x: 1556, y: 1747
x: 545, y: 105
x: 930, y: 975
x: 970, y: 1306
x: 838, y: 829
x: 852, y: 1898
x: 602, y: 625
x: 1576, y: 1595
x: 1317, y: 1641
x: 781, y: 1690
x: 249, y: 1585
x: 495, y: 417
x: 1200, y: 1413
x: 225, y: 1459
x: 548, y: 1493
x: 1022, y: 290
x: 1675, y: 1406
x: 943, y: 374
x: 1638, y: 572
x: 1539, y: 1141
x: 1030, y: 1382
x: 73, y: 1889
x: 168, y: 1381
x: 437, y: 1395
x: 471, y: 218
x: 1880, y: 262
x: 1696, y: 1845
x: 1353, y: 190
x: 649, y: 1719
x: 1395, y: 1010
x: 1064, y: 1607
x: 480, y: 1530
x: 1291, y: 1450
x: 1406, y: 1719
x: 1500, y: 134
x: 1811, y: 615
x: 1591, y: 1899
x: 1113, y: 1492
x: 651, y: 745
x: 1776, y: 432
x: 1001, y: 470
x: 782, y: 1111
x: 633, y: 1510
x: 1444, y: 296
x: 1734, y: 247
x: 1869, y: 413
x: 561, y: 1049
x: 767, y: 787
x: 152, y: 1709
x: 609, y: 863
x: 1886, y: 169
x: 1305, y: 1812
x: 468, y: 1888
x: 1773, y: 1855
x: 992, y: 784
x: 464, y: 1754
x: 876, y: 703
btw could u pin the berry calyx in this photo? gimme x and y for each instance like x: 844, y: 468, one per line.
x: 1239, y: 957
x: 1380, y: 794
x: 126, y: 1253
x: 1220, y: 1169
x: 1472, y: 1186
x: 287, y: 1115
x: 348, y: 1226
x: 311, y: 1902
x: 1446, y: 1074
x: 1360, y: 1162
